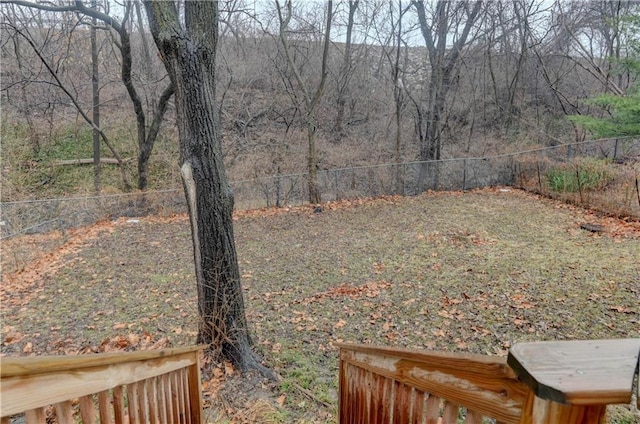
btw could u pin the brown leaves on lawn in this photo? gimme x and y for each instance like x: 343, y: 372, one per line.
x: 309, y: 209
x: 19, y: 287
x: 369, y: 290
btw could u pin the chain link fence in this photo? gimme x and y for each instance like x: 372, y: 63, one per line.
x: 530, y: 170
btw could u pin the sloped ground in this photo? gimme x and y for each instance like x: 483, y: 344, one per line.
x: 471, y: 272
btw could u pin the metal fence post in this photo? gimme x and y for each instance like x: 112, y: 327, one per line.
x: 464, y: 174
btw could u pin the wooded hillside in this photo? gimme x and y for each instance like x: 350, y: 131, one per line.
x: 404, y: 81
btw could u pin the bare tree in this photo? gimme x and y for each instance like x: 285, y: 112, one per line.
x: 57, y: 81
x: 309, y: 99
x: 444, y: 54
x: 146, y: 133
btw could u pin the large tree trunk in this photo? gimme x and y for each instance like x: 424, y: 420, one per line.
x: 188, y: 51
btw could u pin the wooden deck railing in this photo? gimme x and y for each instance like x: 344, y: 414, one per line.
x: 385, y: 385
x: 542, y: 383
x: 135, y: 387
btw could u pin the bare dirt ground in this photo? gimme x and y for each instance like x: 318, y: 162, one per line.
x: 472, y: 272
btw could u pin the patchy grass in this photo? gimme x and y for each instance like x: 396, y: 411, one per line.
x: 470, y: 272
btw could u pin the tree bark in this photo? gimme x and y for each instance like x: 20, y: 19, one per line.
x: 188, y: 51
x: 95, y: 88
x: 345, y: 70
x: 398, y: 89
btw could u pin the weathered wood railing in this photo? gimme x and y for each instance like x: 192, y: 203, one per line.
x: 542, y: 383
x: 135, y: 387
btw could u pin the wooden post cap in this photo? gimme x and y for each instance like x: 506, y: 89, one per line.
x: 581, y: 372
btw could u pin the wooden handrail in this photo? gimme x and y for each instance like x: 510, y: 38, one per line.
x: 19, y: 365
x: 158, y: 386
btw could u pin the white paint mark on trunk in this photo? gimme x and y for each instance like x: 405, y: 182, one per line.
x: 186, y: 171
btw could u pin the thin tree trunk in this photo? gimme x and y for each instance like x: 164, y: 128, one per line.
x: 311, y: 103
x: 25, y: 108
x: 397, y: 96
x: 345, y: 70
x: 95, y: 87
x: 146, y: 55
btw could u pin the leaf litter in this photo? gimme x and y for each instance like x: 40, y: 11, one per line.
x: 473, y: 272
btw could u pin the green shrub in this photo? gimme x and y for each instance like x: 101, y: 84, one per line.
x: 581, y: 174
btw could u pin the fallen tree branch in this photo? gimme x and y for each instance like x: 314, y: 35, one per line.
x: 88, y: 161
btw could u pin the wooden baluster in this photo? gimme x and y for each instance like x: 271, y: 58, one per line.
x: 473, y: 417
x: 64, y: 412
x: 401, y: 404
x: 143, y: 403
x: 418, y: 406
x: 118, y: 406
x: 104, y: 407
x: 450, y: 415
x: 433, y: 409
x: 175, y: 398
x: 185, y: 395
x: 153, y: 395
x: 87, y: 413
x: 379, y: 397
x: 166, y: 412
x: 195, y: 390
x: 357, y: 396
x: 33, y: 416
x: 132, y: 401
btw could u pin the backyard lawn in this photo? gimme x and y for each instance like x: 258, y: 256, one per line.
x: 472, y: 272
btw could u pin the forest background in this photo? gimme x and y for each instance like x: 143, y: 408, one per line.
x: 399, y: 82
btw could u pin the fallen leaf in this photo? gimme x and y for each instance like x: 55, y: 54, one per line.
x: 341, y: 323
x: 13, y: 337
x: 519, y: 321
x: 461, y: 345
x: 228, y: 369
x: 218, y: 373
x: 622, y: 309
x: 445, y: 314
x: 439, y: 333
x: 281, y: 400
x: 134, y: 339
